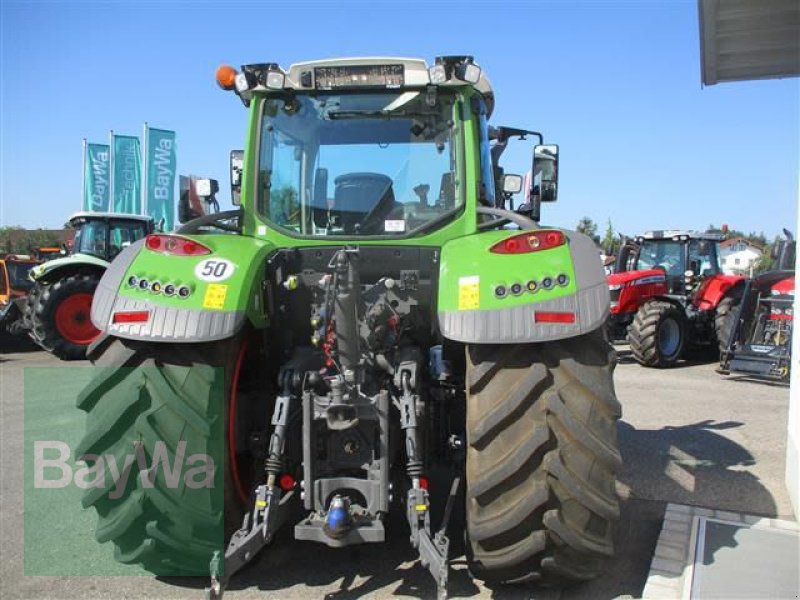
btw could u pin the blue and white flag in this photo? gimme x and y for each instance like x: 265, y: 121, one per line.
x: 96, y: 177
x: 127, y: 169
x: 161, y: 165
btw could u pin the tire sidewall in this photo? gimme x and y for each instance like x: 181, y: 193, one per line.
x: 43, y: 317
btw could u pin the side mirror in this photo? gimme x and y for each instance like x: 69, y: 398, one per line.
x: 237, y: 163
x: 545, y: 172
x: 512, y: 184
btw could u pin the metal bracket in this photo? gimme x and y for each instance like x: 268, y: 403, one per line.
x: 433, y: 556
x: 256, y: 531
x: 267, y: 515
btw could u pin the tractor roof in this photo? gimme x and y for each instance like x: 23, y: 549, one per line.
x: 308, y: 76
x: 678, y: 234
x: 89, y: 215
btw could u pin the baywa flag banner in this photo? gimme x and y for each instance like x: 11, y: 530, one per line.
x: 161, y: 165
x: 127, y: 175
x: 97, y: 185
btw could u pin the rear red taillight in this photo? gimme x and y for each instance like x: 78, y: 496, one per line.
x: 530, y: 241
x: 553, y: 317
x: 174, y: 244
x: 131, y: 316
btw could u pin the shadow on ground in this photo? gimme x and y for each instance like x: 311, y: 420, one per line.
x: 692, y: 464
x: 15, y: 343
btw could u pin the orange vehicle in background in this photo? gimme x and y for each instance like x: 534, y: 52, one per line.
x: 45, y: 253
x: 14, y: 288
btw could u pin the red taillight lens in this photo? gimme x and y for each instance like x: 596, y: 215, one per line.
x: 553, y: 317
x: 175, y: 244
x: 131, y: 316
x: 423, y: 483
x: 530, y: 241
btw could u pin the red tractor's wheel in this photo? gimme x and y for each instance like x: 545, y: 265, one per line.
x: 724, y: 320
x: 60, y: 319
x: 658, y: 334
x: 72, y: 319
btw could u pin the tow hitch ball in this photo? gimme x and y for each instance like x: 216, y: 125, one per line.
x: 338, y: 519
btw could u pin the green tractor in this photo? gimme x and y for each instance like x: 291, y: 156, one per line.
x: 56, y: 311
x: 371, y: 316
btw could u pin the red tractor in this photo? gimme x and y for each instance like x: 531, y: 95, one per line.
x: 669, y: 293
x: 758, y: 335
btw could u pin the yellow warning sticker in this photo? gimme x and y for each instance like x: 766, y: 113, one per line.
x: 215, y: 296
x: 469, y: 295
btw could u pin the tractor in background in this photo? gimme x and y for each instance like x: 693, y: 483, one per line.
x: 668, y: 293
x: 757, y: 336
x: 14, y: 287
x: 56, y: 311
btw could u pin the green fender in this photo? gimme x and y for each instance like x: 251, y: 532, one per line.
x: 56, y: 269
x: 541, y: 295
x: 195, y: 298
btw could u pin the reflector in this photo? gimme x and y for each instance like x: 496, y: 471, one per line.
x: 131, y: 316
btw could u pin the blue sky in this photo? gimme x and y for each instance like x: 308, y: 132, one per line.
x: 616, y: 84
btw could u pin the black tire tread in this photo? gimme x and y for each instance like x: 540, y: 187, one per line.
x: 171, y: 399
x: 724, y: 319
x: 643, y: 333
x: 43, y: 304
x: 550, y: 515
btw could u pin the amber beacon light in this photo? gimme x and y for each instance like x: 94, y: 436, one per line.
x: 226, y: 77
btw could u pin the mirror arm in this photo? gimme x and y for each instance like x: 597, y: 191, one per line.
x: 215, y: 219
x: 516, y: 218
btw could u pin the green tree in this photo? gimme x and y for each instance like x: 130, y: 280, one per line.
x: 610, y: 240
x: 588, y: 227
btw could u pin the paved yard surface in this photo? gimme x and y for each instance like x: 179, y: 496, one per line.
x: 688, y: 436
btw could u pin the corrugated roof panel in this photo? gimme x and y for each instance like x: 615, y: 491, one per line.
x: 749, y: 39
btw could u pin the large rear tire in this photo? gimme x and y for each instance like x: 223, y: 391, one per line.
x: 178, y: 397
x: 541, y: 460
x: 657, y: 335
x: 724, y: 320
x: 60, y: 319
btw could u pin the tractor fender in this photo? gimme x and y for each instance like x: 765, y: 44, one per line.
x: 223, y: 291
x: 60, y: 268
x: 493, y: 298
x: 713, y: 289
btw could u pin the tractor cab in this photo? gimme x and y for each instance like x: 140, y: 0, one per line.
x: 106, y: 235
x: 685, y: 257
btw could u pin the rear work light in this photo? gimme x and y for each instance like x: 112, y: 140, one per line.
x: 553, y: 317
x: 175, y: 245
x: 530, y: 241
x: 131, y: 316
